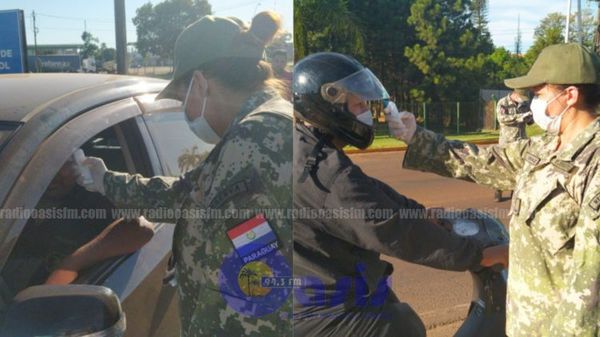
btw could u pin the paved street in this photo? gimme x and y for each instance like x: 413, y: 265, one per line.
x: 440, y: 297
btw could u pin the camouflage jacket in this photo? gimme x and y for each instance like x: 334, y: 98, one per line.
x: 554, y: 252
x: 248, y: 172
x: 512, y: 126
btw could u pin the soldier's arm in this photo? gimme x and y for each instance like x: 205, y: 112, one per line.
x: 157, y: 197
x: 495, y: 166
x: 504, y: 117
x: 580, y: 308
x: 394, y: 225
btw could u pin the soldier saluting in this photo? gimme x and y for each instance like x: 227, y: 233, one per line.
x: 513, y: 116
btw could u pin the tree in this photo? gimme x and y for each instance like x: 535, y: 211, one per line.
x: 105, y: 54
x: 451, y: 53
x: 326, y: 26
x: 597, y: 32
x: 159, y: 26
x: 479, y: 8
x: 502, y: 64
x: 386, y: 35
x: 190, y: 158
x: 90, y: 48
x: 551, y: 30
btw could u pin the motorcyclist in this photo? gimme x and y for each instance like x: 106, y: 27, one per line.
x: 346, y: 219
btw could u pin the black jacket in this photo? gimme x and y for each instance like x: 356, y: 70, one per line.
x: 341, y: 243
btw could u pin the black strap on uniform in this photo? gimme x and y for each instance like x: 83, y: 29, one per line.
x: 312, y: 161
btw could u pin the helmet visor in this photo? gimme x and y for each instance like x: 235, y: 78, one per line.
x: 362, y: 83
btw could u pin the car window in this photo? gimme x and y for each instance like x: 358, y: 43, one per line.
x: 66, y: 217
x: 178, y: 147
x: 105, y: 145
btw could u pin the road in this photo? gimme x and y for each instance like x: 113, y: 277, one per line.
x: 441, y: 298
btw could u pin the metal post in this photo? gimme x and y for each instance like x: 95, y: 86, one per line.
x: 457, y: 118
x: 579, y: 23
x: 568, y: 21
x: 425, y: 115
x: 495, y: 112
x: 121, y: 36
x: 35, y: 31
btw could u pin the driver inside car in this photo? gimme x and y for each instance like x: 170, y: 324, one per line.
x: 55, y: 246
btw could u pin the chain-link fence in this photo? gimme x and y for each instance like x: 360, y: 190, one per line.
x: 442, y: 117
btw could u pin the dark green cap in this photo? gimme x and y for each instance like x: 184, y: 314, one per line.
x: 568, y: 63
x: 208, y: 39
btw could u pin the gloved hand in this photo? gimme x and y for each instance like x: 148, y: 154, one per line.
x: 97, y: 170
x: 402, y: 125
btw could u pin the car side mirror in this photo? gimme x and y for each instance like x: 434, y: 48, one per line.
x: 64, y: 310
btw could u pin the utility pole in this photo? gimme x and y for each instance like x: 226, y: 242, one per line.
x: 568, y: 21
x: 579, y: 23
x: 518, y: 39
x: 121, y: 36
x: 35, y: 31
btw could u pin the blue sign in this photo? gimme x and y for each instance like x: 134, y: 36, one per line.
x: 12, y: 42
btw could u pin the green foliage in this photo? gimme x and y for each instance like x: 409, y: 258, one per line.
x: 450, y: 52
x: 90, y: 46
x: 105, y: 54
x: 422, y: 50
x: 503, y: 64
x: 551, y: 30
x: 479, y: 8
x: 326, y: 26
x: 158, y: 26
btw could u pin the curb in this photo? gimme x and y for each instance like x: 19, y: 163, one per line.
x: 403, y: 147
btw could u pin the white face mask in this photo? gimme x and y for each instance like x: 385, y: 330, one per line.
x: 365, y: 117
x: 199, y: 125
x: 540, y: 117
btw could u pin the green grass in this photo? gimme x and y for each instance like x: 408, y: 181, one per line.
x: 387, y: 142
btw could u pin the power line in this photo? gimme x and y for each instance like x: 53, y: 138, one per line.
x: 104, y: 20
x: 91, y: 30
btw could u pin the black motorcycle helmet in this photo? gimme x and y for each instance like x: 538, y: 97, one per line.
x: 321, y: 84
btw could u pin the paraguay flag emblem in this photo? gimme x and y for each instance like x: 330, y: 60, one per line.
x: 253, y: 239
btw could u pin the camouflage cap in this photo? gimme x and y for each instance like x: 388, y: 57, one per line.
x: 568, y: 63
x: 205, y: 40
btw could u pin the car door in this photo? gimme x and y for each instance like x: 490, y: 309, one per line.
x: 150, y: 308
x: 178, y: 149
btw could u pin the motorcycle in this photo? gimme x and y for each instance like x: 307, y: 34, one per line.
x: 487, y: 312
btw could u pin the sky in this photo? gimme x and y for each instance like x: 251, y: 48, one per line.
x: 63, y: 21
x: 503, y: 17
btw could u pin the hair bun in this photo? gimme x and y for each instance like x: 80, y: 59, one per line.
x: 265, y: 25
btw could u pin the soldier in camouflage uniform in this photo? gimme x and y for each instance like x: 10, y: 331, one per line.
x: 553, y: 284
x: 512, y: 119
x: 247, y: 174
